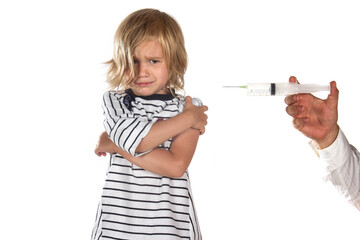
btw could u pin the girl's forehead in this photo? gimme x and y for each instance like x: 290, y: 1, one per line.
x: 149, y: 47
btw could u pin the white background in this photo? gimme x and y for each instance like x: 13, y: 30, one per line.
x: 253, y: 175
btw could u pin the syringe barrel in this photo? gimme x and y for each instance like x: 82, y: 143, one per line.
x: 259, y: 89
x: 283, y: 89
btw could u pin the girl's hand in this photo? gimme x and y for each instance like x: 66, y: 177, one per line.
x: 199, y: 118
x: 314, y: 117
x: 105, y: 145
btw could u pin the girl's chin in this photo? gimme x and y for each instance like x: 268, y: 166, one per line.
x: 144, y: 91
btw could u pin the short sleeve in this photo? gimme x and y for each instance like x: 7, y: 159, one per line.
x: 124, y: 128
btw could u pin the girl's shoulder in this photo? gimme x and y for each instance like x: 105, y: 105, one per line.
x: 179, y: 98
x: 133, y: 102
x: 115, y: 93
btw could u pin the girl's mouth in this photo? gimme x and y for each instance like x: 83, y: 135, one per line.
x: 144, y: 84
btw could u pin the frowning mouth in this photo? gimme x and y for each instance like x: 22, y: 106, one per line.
x: 143, y: 84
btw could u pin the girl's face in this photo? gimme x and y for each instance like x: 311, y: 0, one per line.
x: 151, y: 71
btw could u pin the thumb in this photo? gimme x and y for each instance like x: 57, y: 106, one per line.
x: 333, y: 90
x: 188, y: 100
x: 334, y: 94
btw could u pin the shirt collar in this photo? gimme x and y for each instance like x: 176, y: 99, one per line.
x: 163, y: 97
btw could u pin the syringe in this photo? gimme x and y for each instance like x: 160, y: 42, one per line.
x: 281, y: 89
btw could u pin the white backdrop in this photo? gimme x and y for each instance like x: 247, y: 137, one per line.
x: 253, y: 175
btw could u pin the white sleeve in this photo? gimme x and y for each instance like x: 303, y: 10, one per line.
x: 343, y: 167
x: 123, y: 128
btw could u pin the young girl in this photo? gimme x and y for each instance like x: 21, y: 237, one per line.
x: 151, y: 133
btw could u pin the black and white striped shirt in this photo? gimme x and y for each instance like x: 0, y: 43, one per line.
x: 137, y: 204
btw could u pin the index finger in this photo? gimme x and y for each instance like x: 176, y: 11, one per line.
x: 291, y: 99
x: 293, y: 79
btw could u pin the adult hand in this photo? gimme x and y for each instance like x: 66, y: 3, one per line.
x: 315, y: 118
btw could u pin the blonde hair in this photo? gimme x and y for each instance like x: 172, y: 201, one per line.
x: 140, y: 26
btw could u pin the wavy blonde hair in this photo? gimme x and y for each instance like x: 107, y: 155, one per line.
x: 140, y: 26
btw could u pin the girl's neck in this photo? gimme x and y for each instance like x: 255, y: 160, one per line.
x: 167, y: 96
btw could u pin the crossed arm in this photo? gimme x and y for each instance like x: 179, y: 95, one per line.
x: 183, y: 128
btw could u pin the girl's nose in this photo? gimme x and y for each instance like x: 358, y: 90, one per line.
x: 143, y: 70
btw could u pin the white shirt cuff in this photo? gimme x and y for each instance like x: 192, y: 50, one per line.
x: 337, y: 153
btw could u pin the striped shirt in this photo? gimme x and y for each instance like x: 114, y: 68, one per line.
x: 137, y: 204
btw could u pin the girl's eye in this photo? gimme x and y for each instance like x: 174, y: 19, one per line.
x: 154, y: 61
x: 136, y: 61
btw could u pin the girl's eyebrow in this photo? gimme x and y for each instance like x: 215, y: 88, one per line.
x: 154, y: 56
x: 150, y: 57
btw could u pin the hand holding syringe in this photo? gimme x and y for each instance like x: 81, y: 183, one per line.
x: 280, y: 89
